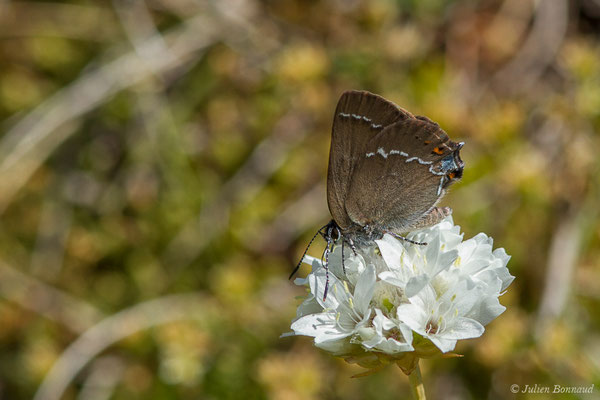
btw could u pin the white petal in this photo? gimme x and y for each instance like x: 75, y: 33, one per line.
x: 415, y: 284
x: 444, y: 262
x: 487, y: 310
x: 406, y: 332
x: 363, y: 293
x: 464, y: 300
x: 463, y: 328
x: 445, y: 345
x: 391, y: 346
x: 451, y: 238
x: 312, y: 261
x: 309, y: 306
x: 392, y: 278
x: 382, y: 322
x: 504, y: 276
x: 473, y: 266
x: 317, y: 282
x: 368, y: 333
x: 322, y: 327
x: 500, y: 253
x: 371, y: 342
x: 433, y: 251
x: 340, y: 346
x: 391, y: 251
x: 413, y: 316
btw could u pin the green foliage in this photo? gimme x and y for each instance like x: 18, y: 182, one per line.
x: 197, y: 169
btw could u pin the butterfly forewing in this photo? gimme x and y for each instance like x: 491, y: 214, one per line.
x: 358, y: 118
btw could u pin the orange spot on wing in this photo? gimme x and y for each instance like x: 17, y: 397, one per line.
x: 427, y: 142
x: 451, y: 175
x: 439, y: 151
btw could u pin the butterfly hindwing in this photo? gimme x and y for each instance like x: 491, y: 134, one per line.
x: 358, y: 118
x: 406, y: 168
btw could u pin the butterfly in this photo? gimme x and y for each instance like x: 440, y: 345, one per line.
x: 388, y: 169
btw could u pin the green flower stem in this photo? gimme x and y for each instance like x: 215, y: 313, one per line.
x: 416, y: 384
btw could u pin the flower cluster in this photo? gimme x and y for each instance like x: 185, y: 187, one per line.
x: 398, y: 302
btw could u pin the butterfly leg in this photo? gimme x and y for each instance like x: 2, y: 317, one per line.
x: 350, y: 242
x: 406, y: 239
x: 352, y: 246
x: 326, y: 252
x: 344, y: 240
x: 343, y: 261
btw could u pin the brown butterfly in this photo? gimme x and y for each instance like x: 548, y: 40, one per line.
x: 387, y: 171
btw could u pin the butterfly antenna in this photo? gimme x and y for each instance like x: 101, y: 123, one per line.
x: 306, y: 250
x: 326, y: 264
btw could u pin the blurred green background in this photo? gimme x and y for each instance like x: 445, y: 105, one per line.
x: 163, y: 163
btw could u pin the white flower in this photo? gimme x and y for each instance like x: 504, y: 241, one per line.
x: 395, y: 298
x: 346, y: 317
x: 441, y: 316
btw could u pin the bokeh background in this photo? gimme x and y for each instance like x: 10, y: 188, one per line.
x: 163, y: 163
